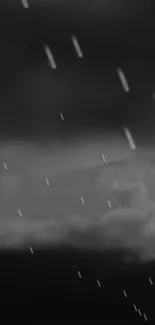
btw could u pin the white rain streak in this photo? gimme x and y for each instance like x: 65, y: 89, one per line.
x: 5, y: 166
x: 25, y: 4
x: 31, y: 250
x: 79, y: 275
x: 50, y: 57
x: 150, y: 281
x: 135, y: 308
x: 130, y: 139
x: 139, y: 312
x: 20, y: 213
x: 47, y: 182
x: 77, y: 46
x: 103, y: 157
x: 109, y: 204
x: 145, y: 316
x: 123, y: 80
x: 82, y: 200
x: 62, y: 116
x: 153, y: 96
x: 125, y: 294
x: 98, y: 282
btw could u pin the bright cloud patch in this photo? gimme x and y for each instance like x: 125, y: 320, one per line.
x: 110, y: 202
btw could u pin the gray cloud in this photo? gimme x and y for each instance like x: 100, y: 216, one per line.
x: 54, y: 214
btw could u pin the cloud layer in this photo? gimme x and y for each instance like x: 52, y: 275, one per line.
x: 86, y: 202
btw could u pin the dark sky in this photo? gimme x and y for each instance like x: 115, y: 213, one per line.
x: 86, y: 90
x: 46, y: 286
